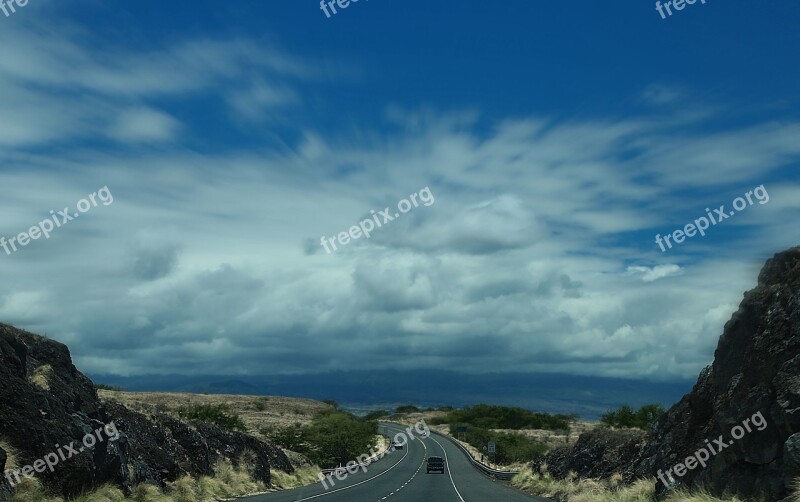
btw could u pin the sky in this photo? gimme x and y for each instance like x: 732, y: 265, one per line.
x: 550, y: 141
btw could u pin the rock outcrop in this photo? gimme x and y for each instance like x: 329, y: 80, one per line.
x: 756, y: 372
x: 5, y: 489
x: 599, y: 453
x: 45, y: 401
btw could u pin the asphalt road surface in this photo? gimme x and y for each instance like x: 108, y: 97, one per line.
x: 400, y: 477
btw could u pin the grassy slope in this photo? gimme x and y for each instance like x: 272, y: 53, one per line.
x: 573, y: 489
x: 256, y: 411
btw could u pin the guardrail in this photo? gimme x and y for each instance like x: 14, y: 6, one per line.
x: 504, y: 475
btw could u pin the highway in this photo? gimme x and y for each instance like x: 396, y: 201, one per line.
x: 400, y: 477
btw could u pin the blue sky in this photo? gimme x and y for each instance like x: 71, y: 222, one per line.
x: 558, y: 139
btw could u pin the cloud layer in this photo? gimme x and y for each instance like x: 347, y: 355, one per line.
x: 538, y: 254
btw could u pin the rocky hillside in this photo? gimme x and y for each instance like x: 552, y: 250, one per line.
x: 46, y: 403
x: 755, y: 374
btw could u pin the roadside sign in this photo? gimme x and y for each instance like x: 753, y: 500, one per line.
x: 461, y: 428
x: 492, y: 448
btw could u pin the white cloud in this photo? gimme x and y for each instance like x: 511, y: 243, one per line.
x: 144, y: 125
x: 650, y: 274
x: 202, y: 261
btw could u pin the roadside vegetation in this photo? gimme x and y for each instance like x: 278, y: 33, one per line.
x: 228, y: 482
x: 407, y: 408
x: 217, y: 414
x: 332, y: 438
x: 375, y: 415
x: 483, y: 423
x: 487, y: 416
x: 574, y: 489
x: 102, y: 386
x: 302, y: 476
x: 256, y: 411
x: 625, y: 416
x: 511, y: 448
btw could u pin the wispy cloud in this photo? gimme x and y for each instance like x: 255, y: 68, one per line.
x: 537, y: 256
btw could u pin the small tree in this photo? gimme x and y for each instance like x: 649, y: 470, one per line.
x: 408, y: 408
x: 625, y: 416
x: 218, y: 414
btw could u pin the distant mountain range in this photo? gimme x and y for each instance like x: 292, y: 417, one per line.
x: 366, y: 390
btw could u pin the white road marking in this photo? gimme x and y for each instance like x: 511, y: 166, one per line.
x: 415, y: 474
x: 447, y: 463
x: 356, y: 484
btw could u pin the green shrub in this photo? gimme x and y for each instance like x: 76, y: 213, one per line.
x: 102, y: 386
x: 625, y: 416
x: 218, y: 414
x: 333, y: 438
x: 486, y: 416
x: 510, y: 447
x: 407, y: 409
x: 375, y: 415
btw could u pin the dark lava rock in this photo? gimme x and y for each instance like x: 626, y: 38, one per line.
x: 237, y: 447
x: 756, y: 372
x: 45, y: 402
x: 597, y: 454
x: 5, y: 489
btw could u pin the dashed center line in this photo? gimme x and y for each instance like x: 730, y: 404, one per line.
x: 414, y: 475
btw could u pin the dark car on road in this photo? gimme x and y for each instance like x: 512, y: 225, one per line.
x: 435, y: 464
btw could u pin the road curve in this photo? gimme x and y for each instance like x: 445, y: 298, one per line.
x: 401, y: 477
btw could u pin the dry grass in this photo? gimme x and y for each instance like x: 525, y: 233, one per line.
x: 227, y: 483
x: 41, y: 377
x: 555, y: 439
x: 30, y: 490
x: 11, y: 453
x: 573, y: 489
x: 256, y: 411
x: 302, y: 477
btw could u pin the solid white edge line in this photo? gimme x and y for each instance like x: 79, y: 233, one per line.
x: 448, y: 467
